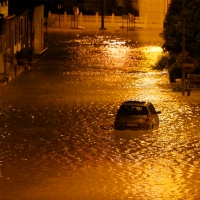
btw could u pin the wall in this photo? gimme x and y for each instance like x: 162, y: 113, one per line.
x: 14, y: 36
x: 38, y: 29
x: 154, y: 10
x: 4, y: 8
x: 91, y: 21
x: 21, y: 31
x: 151, y: 14
x: 4, y: 11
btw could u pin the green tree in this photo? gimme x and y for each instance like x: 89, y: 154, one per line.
x: 173, y: 32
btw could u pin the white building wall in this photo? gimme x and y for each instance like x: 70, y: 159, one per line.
x: 154, y: 10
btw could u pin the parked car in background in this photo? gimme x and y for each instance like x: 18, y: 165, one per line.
x: 136, y: 115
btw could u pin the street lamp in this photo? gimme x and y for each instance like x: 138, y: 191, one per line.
x: 59, y: 7
x: 102, y: 15
x: 183, y: 46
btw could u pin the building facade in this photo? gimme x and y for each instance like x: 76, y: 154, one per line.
x: 153, y: 10
x: 4, y: 8
x: 19, y: 32
x: 38, y: 24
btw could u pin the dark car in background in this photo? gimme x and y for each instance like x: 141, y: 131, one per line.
x: 136, y: 115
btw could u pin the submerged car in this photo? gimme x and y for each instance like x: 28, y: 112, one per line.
x: 136, y: 115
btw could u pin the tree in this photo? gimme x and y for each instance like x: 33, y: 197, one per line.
x: 173, y: 32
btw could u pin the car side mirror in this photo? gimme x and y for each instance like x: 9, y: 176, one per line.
x: 158, y: 112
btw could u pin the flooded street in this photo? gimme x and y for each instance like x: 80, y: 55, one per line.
x: 57, y: 139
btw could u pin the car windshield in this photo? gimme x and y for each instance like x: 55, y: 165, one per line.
x: 132, y: 110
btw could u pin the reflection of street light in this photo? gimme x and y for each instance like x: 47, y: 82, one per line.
x: 59, y: 7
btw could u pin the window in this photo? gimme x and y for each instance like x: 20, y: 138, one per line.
x: 132, y: 110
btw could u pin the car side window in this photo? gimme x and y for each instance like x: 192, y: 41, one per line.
x: 152, y: 109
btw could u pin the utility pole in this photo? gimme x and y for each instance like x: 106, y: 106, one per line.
x: 183, y: 46
x: 102, y: 15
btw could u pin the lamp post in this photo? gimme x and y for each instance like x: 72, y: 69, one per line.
x: 59, y: 7
x: 183, y: 46
x: 102, y: 15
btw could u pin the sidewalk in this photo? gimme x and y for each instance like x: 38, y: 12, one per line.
x: 10, y: 74
x: 13, y: 70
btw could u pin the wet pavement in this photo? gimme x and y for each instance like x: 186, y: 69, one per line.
x: 57, y: 140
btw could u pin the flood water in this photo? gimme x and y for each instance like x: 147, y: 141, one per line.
x: 56, y: 135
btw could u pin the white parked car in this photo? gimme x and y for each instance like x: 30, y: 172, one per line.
x: 136, y: 115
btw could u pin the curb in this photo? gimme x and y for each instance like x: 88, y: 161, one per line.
x: 12, y: 75
x: 9, y: 77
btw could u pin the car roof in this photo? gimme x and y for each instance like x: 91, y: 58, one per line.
x: 144, y: 103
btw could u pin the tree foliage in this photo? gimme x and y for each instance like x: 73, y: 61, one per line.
x: 173, y: 31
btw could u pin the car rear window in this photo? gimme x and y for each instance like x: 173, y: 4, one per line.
x: 132, y: 110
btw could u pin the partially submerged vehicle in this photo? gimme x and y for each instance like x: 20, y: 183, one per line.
x: 136, y: 115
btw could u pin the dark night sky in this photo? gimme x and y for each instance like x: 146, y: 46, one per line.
x: 18, y: 6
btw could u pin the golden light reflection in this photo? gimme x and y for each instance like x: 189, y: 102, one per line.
x: 114, y: 42
x: 152, y: 49
x: 148, y: 57
x: 119, y: 53
x: 151, y: 54
x: 157, y: 179
x: 161, y: 182
x: 140, y: 179
x: 116, y: 53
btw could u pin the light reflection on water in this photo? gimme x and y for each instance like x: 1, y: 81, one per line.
x: 58, y: 141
